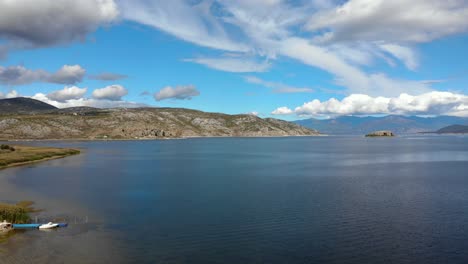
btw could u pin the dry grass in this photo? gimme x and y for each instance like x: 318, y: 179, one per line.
x: 23, y: 154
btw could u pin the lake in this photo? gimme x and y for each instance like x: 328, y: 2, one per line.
x: 247, y: 200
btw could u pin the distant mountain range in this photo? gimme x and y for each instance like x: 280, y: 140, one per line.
x: 453, y: 129
x: 353, y: 125
x: 24, y: 118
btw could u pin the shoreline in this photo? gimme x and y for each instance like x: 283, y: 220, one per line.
x: 143, y: 139
x: 29, y: 155
x: 17, y: 164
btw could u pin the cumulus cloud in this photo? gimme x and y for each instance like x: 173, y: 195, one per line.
x: 68, y: 74
x: 112, y: 92
x: 19, y: 75
x: 179, y: 93
x: 67, y: 93
x: 108, y: 76
x: 10, y: 94
x: 282, y: 111
x: 91, y: 102
x: 276, y: 86
x: 232, y: 64
x: 391, y: 21
x: 74, y: 97
x: 432, y: 103
x: 41, y: 23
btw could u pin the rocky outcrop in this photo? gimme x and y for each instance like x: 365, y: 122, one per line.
x: 151, y: 123
x: 382, y: 133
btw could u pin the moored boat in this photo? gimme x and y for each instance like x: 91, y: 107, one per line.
x: 49, y: 225
x: 40, y: 226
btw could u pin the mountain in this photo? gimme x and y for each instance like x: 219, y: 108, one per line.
x: 122, y: 123
x: 398, y: 124
x: 22, y: 104
x: 453, y: 129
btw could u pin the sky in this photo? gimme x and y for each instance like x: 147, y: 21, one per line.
x: 288, y: 59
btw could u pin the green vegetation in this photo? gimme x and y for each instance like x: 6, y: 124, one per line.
x: 18, y: 213
x: 23, y: 154
x: 7, y: 148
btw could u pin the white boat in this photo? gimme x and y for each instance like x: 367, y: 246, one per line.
x: 49, y: 225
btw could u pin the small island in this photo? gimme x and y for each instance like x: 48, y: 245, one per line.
x: 382, y: 133
x: 20, y: 155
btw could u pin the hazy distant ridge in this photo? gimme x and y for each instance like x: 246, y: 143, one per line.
x: 397, y: 124
x: 453, y: 129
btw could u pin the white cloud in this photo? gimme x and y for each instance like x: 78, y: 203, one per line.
x: 112, y: 92
x: 282, y: 111
x: 67, y: 93
x: 179, y: 92
x: 359, y: 54
x: 254, y: 113
x: 393, y: 21
x: 356, y: 80
x: 74, y: 100
x: 10, y: 94
x: 91, y: 102
x: 192, y: 22
x: 39, y: 23
x: 432, y: 103
x: 232, y: 64
x: 19, y: 75
x: 404, y: 54
x: 277, y: 87
x: 68, y: 74
x: 339, y: 38
x: 263, y: 21
x: 334, y: 36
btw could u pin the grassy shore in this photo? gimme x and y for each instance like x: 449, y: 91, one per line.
x: 16, y: 213
x: 19, y: 155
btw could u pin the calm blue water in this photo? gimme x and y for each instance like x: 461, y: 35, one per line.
x: 249, y: 200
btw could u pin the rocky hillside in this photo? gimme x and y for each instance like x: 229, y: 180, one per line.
x: 93, y: 123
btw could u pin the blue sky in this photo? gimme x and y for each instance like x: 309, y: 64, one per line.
x: 286, y: 59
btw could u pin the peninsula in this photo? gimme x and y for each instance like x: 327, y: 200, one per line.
x: 20, y: 155
x: 23, y: 121
x: 453, y: 129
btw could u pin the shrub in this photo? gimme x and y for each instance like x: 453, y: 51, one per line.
x: 7, y: 147
x: 14, y: 214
